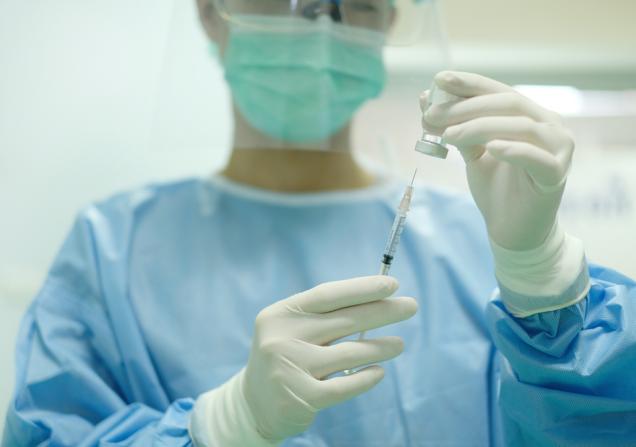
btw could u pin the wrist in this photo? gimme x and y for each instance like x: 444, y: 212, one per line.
x: 221, y: 417
x: 549, y: 277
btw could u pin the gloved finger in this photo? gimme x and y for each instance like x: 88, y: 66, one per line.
x: 544, y: 168
x: 480, y: 131
x: 335, y: 295
x: 467, y: 85
x: 424, y: 100
x: 353, y: 354
x: 364, y: 317
x: 428, y: 128
x: 496, y: 104
x: 424, y: 105
x: 333, y: 391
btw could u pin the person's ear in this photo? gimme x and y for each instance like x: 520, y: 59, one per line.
x: 212, y: 23
x: 391, y: 20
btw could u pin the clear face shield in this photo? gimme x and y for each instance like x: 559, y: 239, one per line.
x: 375, y: 15
x: 301, y: 72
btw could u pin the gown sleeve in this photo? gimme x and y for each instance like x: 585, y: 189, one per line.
x: 566, y: 377
x: 75, y: 381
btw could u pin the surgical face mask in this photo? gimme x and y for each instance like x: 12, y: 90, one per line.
x: 298, y: 80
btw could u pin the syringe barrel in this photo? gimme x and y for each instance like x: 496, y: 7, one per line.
x: 384, y: 268
x: 405, y: 203
x: 394, y: 237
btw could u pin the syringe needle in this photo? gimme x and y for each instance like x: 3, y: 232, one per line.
x: 413, y: 179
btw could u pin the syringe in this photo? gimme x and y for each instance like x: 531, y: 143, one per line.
x: 397, y: 228
x: 394, y: 239
x: 396, y: 231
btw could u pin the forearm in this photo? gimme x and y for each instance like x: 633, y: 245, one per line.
x: 131, y: 425
x: 570, y: 368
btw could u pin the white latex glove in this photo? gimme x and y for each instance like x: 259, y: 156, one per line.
x: 517, y: 156
x: 284, y: 383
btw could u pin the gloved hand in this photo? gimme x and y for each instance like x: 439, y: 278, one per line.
x: 517, y: 156
x: 284, y: 384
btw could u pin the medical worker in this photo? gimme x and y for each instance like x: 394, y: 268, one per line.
x: 211, y: 312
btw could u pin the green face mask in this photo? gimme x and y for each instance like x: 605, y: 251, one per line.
x: 301, y: 81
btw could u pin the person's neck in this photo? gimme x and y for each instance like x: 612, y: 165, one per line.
x: 293, y: 170
x: 263, y: 162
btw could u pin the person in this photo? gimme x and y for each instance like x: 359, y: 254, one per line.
x: 223, y: 311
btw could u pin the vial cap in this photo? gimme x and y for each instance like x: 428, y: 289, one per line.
x: 433, y: 149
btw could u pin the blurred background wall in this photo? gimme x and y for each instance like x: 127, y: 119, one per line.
x: 97, y: 97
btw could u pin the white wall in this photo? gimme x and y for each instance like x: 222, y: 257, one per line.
x: 102, y: 96
x: 95, y: 97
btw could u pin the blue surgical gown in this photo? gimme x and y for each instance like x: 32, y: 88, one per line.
x: 152, y: 297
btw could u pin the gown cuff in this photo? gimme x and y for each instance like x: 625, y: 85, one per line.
x: 221, y: 417
x: 549, y: 277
